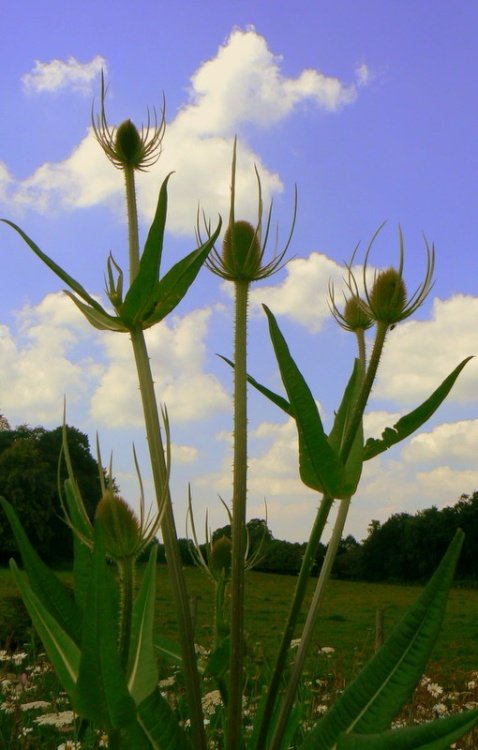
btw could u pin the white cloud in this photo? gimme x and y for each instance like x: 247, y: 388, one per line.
x: 58, y: 75
x: 454, y: 441
x: 420, y: 354
x: 241, y: 85
x: 37, y: 363
x: 177, y: 351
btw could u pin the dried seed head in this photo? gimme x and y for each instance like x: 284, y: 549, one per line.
x: 220, y: 556
x: 122, y: 533
x: 241, y: 251
x: 388, y: 297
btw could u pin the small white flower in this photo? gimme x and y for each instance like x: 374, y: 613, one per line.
x: 434, y: 689
x: 440, y: 709
x: 327, y: 650
x: 471, y: 685
x: 58, y: 719
x: 34, y: 705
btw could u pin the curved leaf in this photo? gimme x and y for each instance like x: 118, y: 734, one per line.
x: 319, y: 465
x: 412, y: 421
x: 160, y: 724
x: 374, y: 698
x: 49, y: 590
x: 62, y: 651
x: 435, y: 735
x: 276, y: 399
x: 171, y: 289
x: 102, y: 695
x: 142, y: 669
x: 139, y: 298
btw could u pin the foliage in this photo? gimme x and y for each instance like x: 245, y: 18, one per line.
x: 101, y: 638
x: 29, y: 459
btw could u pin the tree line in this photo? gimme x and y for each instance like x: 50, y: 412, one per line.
x: 405, y: 548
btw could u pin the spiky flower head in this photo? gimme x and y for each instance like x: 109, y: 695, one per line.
x: 388, y: 301
x: 121, y: 529
x: 219, y: 556
x: 244, y: 246
x: 125, y: 145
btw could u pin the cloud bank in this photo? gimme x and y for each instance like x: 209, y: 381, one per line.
x: 60, y: 75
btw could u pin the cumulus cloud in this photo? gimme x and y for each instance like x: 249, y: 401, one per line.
x: 441, y: 342
x: 177, y: 351
x: 450, y: 442
x: 38, y: 365
x: 58, y: 75
x: 242, y: 85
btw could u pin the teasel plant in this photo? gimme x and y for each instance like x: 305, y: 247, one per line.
x: 242, y: 262
x: 148, y: 299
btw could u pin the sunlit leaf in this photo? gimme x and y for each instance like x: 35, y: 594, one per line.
x: 142, y: 668
x: 412, y: 421
x: 373, y: 699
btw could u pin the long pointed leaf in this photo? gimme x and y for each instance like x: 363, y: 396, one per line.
x: 319, y: 465
x: 81, y: 552
x: 45, y: 585
x: 387, y: 681
x: 435, y: 735
x: 354, y: 462
x: 412, y: 421
x: 62, y: 651
x: 98, y: 318
x: 58, y: 270
x: 168, y: 649
x: 160, y: 724
x: 102, y: 694
x: 139, y: 298
x: 171, y: 289
x: 142, y: 668
x: 276, y: 399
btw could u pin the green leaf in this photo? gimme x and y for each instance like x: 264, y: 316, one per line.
x: 319, y: 465
x: 63, y: 275
x: 160, y: 724
x: 142, y: 669
x: 412, y: 421
x: 139, y: 298
x: 50, y: 591
x: 276, y: 399
x: 354, y: 462
x: 171, y: 289
x: 102, y: 695
x: 168, y: 649
x: 435, y: 735
x: 218, y: 661
x: 62, y: 651
x: 99, y: 319
x: 81, y: 552
x: 373, y: 699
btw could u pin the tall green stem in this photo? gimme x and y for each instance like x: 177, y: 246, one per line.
x: 234, y: 738
x: 308, y: 630
x: 170, y: 539
x: 294, y: 612
x: 132, y: 212
x: 159, y: 469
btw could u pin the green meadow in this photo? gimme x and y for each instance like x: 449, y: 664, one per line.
x: 346, y: 624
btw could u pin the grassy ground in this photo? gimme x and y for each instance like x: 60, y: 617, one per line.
x: 346, y: 627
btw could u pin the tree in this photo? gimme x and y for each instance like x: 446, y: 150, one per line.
x: 29, y: 481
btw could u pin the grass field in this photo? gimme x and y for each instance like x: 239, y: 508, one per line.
x: 347, y: 621
x: 346, y: 626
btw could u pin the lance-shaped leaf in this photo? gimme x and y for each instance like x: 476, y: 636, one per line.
x: 81, y: 552
x: 99, y: 319
x: 142, y: 668
x: 62, y: 651
x: 276, y: 399
x: 102, y: 694
x: 412, y: 421
x: 319, y: 465
x: 435, y: 735
x: 140, y: 296
x: 161, y: 725
x: 58, y: 270
x: 354, y: 461
x: 44, y: 584
x: 373, y: 699
x: 171, y: 289
x: 168, y: 649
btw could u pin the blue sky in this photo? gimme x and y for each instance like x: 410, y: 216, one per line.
x: 369, y: 107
